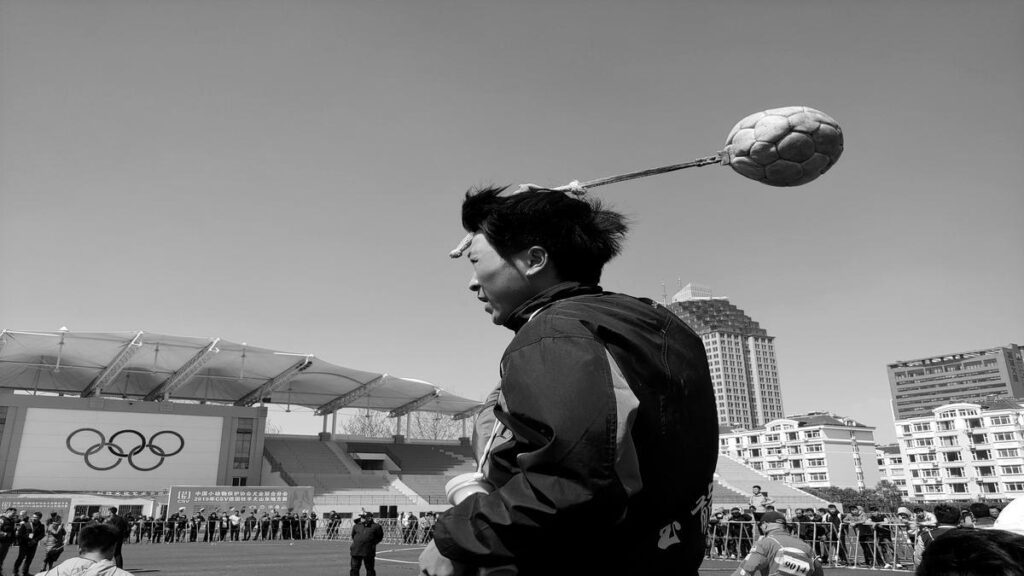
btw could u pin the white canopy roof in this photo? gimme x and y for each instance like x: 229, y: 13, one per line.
x: 159, y: 367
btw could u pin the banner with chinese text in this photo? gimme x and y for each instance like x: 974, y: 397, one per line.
x: 259, y: 498
x: 31, y: 503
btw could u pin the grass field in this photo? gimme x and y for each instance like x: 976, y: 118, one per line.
x: 304, y: 558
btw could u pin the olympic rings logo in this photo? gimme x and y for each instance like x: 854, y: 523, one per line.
x: 139, y: 443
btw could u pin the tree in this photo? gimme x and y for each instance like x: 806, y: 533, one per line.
x: 369, y: 424
x: 433, y: 426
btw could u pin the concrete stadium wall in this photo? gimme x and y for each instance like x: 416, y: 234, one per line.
x: 54, y: 443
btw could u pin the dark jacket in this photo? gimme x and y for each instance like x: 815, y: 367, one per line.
x: 613, y: 442
x: 8, y: 528
x: 118, y: 521
x: 30, y: 533
x: 365, y: 538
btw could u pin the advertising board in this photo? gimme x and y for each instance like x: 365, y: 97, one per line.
x: 258, y: 498
x: 86, y: 450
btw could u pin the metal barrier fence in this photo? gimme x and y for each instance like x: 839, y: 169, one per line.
x: 171, y: 532
x: 878, y: 545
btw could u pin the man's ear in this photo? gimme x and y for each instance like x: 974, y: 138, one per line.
x: 537, y: 260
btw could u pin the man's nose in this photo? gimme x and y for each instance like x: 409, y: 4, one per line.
x: 474, y: 284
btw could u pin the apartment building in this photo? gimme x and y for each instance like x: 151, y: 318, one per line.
x: 965, y: 451
x: 891, y: 468
x: 813, y: 450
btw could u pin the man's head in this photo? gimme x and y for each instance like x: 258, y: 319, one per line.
x: 947, y: 514
x: 918, y: 511
x: 853, y: 508
x: 979, y: 510
x: 37, y: 516
x: 993, y: 511
x: 113, y: 510
x: 756, y: 489
x: 772, y: 521
x: 735, y: 511
x: 974, y: 553
x: 528, y: 242
x: 903, y: 512
x: 11, y: 512
x: 98, y: 538
x: 833, y: 508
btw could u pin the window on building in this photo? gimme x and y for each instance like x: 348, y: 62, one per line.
x: 958, y: 488
x: 243, y: 443
x: 979, y: 438
x: 982, y: 454
x: 926, y: 457
x: 945, y: 425
x: 818, y: 476
x: 989, y: 487
x: 1000, y: 420
x: 955, y: 472
x: 974, y: 423
x: 239, y: 481
x: 1008, y: 452
x: 948, y: 441
x: 794, y: 463
x: 812, y: 434
x: 1003, y: 436
x: 986, y: 471
x: 923, y: 427
x: 929, y: 473
x: 815, y: 448
x: 794, y: 449
x: 1015, y: 486
x: 924, y: 442
x: 797, y: 477
x: 953, y: 456
x: 816, y: 462
x: 1013, y: 469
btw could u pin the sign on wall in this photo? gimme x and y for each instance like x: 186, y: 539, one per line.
x: 92, y: 450
x: 259, y: 498
x: 32, y: 503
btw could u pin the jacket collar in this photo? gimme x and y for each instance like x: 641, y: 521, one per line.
x: 520, y: 316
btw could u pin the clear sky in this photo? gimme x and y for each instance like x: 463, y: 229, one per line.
x: 288, y: 173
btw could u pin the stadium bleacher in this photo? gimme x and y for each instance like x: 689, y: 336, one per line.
x: 417, y: 472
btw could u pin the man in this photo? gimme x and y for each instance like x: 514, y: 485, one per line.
x: 924, y: 518
x: 30, y: 532
x: 366, y: 534
x: 250, y: 526
x: 741, y: 533
x: 8, y: 530
x: 235, y: 524
x: 947, y: 518
x: 837, y: 535
x: 758, y: 501
x: 604, y: 423
x: 778, y: 552
x: 96, y: 543
x: 118, y: 521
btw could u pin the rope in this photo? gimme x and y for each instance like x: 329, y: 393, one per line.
x: 578, y: 189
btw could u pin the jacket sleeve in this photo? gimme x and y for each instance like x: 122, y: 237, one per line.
x: 566, y: 460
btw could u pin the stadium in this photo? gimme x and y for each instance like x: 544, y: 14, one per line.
x: 158, y: 425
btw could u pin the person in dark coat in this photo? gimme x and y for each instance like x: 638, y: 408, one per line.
x: 118, y: 521
x: 366, y: 534
x: 8, y: 531
x: 30, y: 532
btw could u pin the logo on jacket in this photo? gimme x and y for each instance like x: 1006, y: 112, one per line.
x: 125, y: 444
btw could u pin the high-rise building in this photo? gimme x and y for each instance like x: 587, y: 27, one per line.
x: 965, y: 451
x: 741, y: 356
x: 918, y: 386
x: 813, y: 450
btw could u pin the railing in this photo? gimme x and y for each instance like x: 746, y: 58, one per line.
x: 879, y: 545
x: 171, y: 532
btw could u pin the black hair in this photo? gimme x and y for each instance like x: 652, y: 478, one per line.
x: 979, y: 510
x: 580, y: 236
x: 756, y: 486
x: 947, y: 514
x: 98, y: 537
x: 968, y: 552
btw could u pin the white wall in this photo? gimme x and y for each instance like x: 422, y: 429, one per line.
x: 46, y: 462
